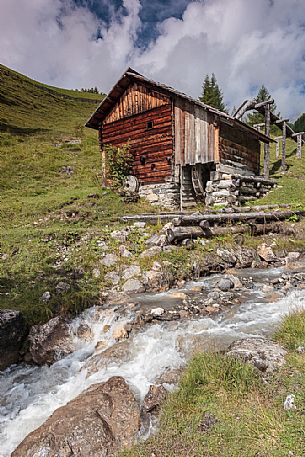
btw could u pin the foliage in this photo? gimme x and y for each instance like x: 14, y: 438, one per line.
x: 119, y: 162
x: 291, y: 332
x: 212, y: 94
x: 92, y: 90
x: 299, y: 125
x: 222, y: 407
x: 262, y: 96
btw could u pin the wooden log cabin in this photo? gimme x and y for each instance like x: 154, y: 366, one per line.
x: 183, y: 150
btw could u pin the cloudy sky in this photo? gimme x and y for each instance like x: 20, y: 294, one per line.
x: 83, y: 43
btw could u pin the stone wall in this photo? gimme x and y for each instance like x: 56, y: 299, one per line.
x: 165, y: 194
x: 228, y: 189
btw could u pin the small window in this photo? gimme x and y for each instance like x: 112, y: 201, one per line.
x: 153, y: 166
x: 150, y: 125
x: 142, y: 160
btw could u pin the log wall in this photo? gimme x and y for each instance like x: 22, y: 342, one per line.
x: 137, y: 98
x: 150, y: 137
x: 239, y: 150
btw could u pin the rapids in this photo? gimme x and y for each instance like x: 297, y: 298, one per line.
x: 29, y: 395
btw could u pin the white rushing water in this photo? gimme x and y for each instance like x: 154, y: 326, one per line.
x: 29, y: 395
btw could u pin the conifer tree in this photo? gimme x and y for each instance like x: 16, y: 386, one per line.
x: 212, y: 94
x: 262, y: 96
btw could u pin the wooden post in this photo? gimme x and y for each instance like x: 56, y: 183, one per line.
x: 299, y: 146
x: 103, y: 154
x: 283, y: 165
x: 267, y: 145
x: 277, y: 146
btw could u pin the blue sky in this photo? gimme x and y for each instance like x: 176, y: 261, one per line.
x: 85, y: 43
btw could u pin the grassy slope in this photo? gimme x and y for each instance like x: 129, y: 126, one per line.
x: 44, y: 212
x: 250, y: 418
x: 51, y: 222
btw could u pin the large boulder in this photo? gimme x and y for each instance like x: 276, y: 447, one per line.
x: 264, y: 354
x: 49, y: 342
x: 13, y: 331
x: 98, y: 423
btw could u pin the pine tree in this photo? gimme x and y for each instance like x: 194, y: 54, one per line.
x: 262, y: 96
x: 299, y: 125
x: 212, y: 94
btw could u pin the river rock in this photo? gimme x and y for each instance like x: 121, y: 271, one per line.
x: 157, y: 311
x: 112, y: 277
x: 13, y: 332
x: 266, y: 253
x: 99, y: 422
x: 118, y: 353
x: 84, y: 332
x: 133, y: 286
x: 154, y: 398
x: 131, y: 272
x: 109, y: 260
x: 225, y: 284
x: 49, y: 342
x: 120, y: 332
x: 265, y: 355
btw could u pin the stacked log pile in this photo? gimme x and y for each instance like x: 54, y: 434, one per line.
x: 207, y: 225
x: 236, y: 189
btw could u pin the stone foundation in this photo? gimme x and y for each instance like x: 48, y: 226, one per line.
x: 228, y: 189
x: 166, y: 194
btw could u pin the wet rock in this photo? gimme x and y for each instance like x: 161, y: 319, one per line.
x: 109, y: 260
x: 49, y: 342
x: 131, y: 272
x: 292, y: 257
x: 178, y: 295
x: 13, y: 332
x: 265, y: 355
x: 84, y: 332
x: 151, y: 252
x: 118, y: 353
x: 157, y: 311
x: 120, y: 332
x: 227, y: 256
x: 154, y: 398
x: 236, y: 281
x: 153, y: 279
x: 112, y: 277
x: 99, y: 422
x: 266, y: 253
x: 225, y: 284
x: 133, y: 286
x: 170, y: 376
x: 244, y: 256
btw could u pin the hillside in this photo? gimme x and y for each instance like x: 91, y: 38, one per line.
x: 53, y: 211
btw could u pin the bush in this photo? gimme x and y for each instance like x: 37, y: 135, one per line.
x: 119, y: 163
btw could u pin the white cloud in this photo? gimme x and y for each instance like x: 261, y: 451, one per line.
x: 245, y: 43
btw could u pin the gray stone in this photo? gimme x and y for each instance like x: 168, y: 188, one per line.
x: 46, y: 296
x: 225, y: 284
x: 157, y: 240
x: 49, y: 342
x: 157, y: 311
x: 139, y: 225
x: 112, y: 277
x: 99, y: 422
x: 124, y: 252
x: 13, y: 332
x: 265, y: 355
x: 227, y: 256
x: 151, y: 252
x: 266, y: 253
x: 292, y: 257
x: 131, y: 272
x: 133, y: 286
x: 109, y: 260
x: 62, y: 287
x: 154, y: 398
x: 119, y: 235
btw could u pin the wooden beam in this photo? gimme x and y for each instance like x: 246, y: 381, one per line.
x: 277, y: 147
x: 267, y: 145
x: 299, y: 145
x: 265, y: 103
x: 283, y: 165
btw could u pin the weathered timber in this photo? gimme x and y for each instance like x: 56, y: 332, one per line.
x: 181, y: 233
x: 283, y: 164
x: 267, y: 145
x: 258, y: 217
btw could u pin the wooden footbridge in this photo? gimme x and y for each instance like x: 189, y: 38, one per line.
x: 270, y: 118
